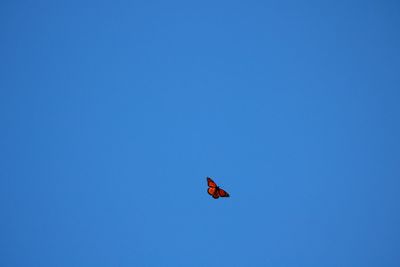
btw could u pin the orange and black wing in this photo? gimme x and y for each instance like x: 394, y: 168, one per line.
x: 213, y: 191
x: 211, y: 183
x: 222, y: 193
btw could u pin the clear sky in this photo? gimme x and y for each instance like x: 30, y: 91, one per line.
x: 113, y: 113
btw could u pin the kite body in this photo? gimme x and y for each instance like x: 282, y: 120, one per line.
x: 214, y: 190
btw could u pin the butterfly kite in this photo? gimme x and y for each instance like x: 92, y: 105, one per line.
x: 214, y: 190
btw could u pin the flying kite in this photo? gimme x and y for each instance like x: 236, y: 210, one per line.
x: 214, y: 190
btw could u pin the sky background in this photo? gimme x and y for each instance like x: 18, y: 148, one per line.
x: 113, y: 113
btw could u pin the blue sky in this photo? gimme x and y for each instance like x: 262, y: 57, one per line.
x: 113, y: 113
